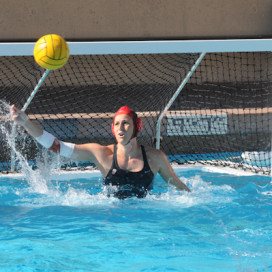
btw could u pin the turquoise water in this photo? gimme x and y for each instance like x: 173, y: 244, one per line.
x: 68, y: 223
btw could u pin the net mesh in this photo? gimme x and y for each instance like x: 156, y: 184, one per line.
x: 222, y: 116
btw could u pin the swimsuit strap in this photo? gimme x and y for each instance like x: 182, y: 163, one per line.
x: 114, y: 161
x: 146, y: 165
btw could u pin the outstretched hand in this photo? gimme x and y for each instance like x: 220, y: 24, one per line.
x: 18, y: 116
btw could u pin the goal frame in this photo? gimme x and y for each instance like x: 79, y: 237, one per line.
x: 147, y: 47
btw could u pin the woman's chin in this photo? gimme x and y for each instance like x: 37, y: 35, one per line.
x: 123, y: 141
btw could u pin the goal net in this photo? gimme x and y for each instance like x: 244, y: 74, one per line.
x: 214, y: 111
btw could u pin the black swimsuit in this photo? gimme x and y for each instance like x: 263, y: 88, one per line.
x: 128, y: 183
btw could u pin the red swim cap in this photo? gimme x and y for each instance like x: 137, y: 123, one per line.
x: 138, y: 123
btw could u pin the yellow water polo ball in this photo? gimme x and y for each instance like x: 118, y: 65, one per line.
x: 51, y: 52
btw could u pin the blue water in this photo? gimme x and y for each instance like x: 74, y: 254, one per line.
x: 68, y: 223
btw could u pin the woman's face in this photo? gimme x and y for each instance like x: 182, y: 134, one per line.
x: 123, y: 128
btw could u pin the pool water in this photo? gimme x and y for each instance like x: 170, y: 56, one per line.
x: 68, y: 223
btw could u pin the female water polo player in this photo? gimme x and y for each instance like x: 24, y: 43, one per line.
x: 127, y: 166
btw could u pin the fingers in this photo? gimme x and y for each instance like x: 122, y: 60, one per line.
x: 13, y: 109
x: 18, y: 116
x: 15, y: 114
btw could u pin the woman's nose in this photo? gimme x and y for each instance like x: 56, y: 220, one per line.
x: 120, y: 126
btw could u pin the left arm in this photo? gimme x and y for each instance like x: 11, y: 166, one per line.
x: 168, y: 173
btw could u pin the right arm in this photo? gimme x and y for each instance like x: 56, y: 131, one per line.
x: 20, y: 118
x: 77, y: 152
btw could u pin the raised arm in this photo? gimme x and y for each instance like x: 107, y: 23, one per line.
x: 20, y: 118
x: 68, y: 150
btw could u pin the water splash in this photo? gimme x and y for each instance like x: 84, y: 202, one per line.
x: 202, y: 193
x: 40, y: 181
x: 36, y: 179
x: 74, y: 191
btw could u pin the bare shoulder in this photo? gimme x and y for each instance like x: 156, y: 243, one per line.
x: 154, y: 153
x: 156, y: 158
x: 103, y: 153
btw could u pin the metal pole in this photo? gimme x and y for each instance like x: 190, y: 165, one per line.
x: 13, y: 131
x: 36, y: 89
x: 173, y: 98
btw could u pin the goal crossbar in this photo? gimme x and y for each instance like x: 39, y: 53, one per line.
x: 146, y: 47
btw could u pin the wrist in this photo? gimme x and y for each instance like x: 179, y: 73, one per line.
x: 26, y: 123
x: 46, y: 139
